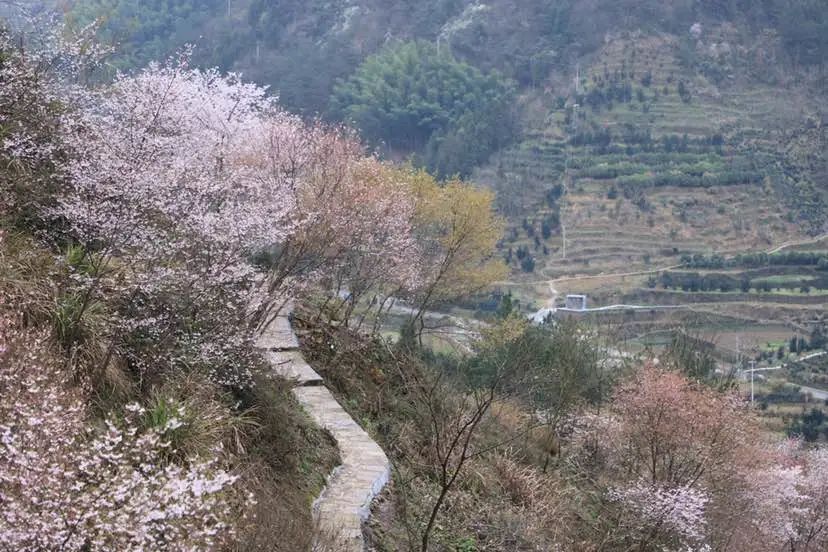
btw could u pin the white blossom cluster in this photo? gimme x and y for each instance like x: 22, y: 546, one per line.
x: 790, y: 498
x: 680, y: 508
x: 64, y: 486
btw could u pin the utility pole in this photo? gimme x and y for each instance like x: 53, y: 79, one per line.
x: 578, y: 78
x: 753, y: 369
x: 566, y: 177
x: 563, y: 199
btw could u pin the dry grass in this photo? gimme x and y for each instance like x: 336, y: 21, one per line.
x: 27, y: 274
x: 41, y: 289
x: 212, y: 427
x: 501, y: 500
x: 287, y: 461
x: 261, y: 434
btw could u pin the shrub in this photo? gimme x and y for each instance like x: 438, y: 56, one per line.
x: 69, y: 487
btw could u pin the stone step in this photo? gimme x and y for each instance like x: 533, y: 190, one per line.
x: 365, y: 468
x: 345, y: 502
x: 292, y: 366
x: 278, y: 335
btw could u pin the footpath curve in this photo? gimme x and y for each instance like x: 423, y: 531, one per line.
x: 345, y: 503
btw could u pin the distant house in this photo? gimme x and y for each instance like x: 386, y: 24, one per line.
x: 576, y: 302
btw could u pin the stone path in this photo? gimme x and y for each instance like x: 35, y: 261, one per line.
x: 291, y: 365
x: 345, y: 502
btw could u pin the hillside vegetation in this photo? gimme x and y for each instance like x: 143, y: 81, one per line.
x: 661, y: 107
x: 149, y: 228
x: 158, y: 210
x: 538, y: 441
x: 288, y: 43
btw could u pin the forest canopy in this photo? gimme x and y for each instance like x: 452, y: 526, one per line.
x: 414, y: 97
x: 147, y: 30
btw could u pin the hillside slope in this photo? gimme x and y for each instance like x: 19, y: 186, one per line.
x: 749, y: 74
x: 648, y: 131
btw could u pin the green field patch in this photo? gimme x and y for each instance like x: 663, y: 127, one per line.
x: 780, y: 279
x: 797, y: 292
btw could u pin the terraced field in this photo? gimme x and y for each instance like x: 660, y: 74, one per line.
x: 641, y: 164
x: 654, y: 162
x: 612, y: 221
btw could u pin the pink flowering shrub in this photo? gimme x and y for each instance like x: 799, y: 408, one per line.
x: 65, y: 485
x: 353, y: 235
x: 789, y: 499
x: 686, y: 467
x: 371, y: 250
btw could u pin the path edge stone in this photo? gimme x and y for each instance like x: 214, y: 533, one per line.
x: 284, y: 340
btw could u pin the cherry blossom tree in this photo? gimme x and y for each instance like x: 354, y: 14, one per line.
x: 372, y: 219
x: 186, y: 174
x: 673, y: 455
x: 354, y: 233
x: 66, y: 485
x: 685, y: 466
x: 173, y: 190
x: 679, y: 432
x: 172, y: 167
x: 789, y: 499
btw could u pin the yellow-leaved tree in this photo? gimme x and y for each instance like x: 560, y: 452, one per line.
x: 458, y: 230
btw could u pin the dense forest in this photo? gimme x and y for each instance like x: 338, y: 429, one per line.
x: 302, y: 48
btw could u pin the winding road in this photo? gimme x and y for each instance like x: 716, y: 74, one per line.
x: 818, y: 394
x: 550, y: 303
x: 786, y: 245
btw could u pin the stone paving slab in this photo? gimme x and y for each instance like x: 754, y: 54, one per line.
x: 345, y: 503
x: 278, y: 335
x: 292, y: 366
